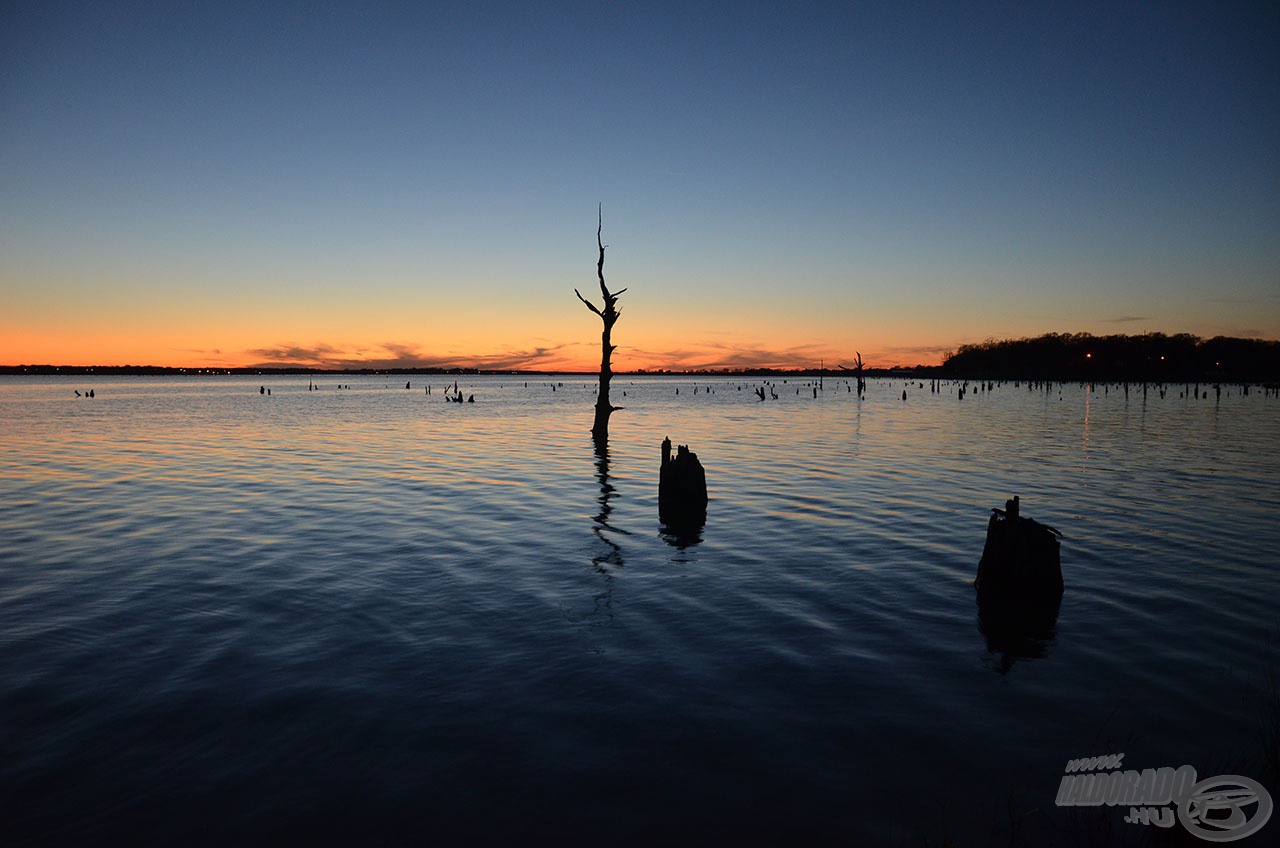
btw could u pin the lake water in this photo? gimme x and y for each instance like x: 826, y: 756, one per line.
x: 370, y: 615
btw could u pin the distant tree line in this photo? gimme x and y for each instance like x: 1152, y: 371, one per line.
x: 1152, y: 357
x: 163, y: 370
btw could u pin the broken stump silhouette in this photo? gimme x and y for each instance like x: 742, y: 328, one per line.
x: 1020, y: 561
x: 682, y: 489
x: 1019, y: 586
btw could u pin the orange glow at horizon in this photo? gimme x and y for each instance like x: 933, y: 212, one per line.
x: 571, y: 349
x: 528, y: 334
x: 519, y: 328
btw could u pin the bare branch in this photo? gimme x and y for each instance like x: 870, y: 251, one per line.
x: 600, y: 264
x: 589, y: 304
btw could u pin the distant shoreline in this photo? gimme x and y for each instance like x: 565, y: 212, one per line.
x: 931, y: 372
x: 1054, y: 357
x: 167, y: 371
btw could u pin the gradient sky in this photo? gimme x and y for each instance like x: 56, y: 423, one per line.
x: 384, y: 184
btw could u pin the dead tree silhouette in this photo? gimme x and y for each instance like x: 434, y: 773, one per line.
x: 609, y: 315
x: 857, y: 371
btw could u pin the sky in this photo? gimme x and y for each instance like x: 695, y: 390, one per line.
x: 415, y: 184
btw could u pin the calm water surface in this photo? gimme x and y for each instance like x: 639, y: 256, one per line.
x: 366, y: 614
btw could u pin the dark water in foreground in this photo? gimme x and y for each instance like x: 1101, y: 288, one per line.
x: 366, y: 614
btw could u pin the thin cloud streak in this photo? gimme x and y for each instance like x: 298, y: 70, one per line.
x: 721, y: 356
x: 392, y: 355
x: 1262, y: 298
x: 583, y: 357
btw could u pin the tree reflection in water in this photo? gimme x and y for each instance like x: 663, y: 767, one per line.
x: 608, y: 556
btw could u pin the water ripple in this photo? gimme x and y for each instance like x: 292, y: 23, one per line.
x: 373, y: 601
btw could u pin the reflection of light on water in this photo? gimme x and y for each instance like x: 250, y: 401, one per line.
x: 1084, y: 440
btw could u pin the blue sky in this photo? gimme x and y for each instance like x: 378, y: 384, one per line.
x: 393, y: 180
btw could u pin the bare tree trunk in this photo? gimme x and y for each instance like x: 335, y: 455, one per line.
x: 608, y: 315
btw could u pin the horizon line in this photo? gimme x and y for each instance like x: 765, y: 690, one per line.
x: 305, y: 369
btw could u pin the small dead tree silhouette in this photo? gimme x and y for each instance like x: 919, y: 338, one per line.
x: 862, y: 384
x: 609, y: 315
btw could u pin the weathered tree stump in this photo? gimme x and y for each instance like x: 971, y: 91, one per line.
x: 682, y: 488
x: 1020, y: 561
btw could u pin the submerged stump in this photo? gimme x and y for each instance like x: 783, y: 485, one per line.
x: 1020, y: 561
x: 682, y: 488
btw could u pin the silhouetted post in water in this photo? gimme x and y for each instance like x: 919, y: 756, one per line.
x: 1019, y: 585
x: 609, y: 315
x: 1020, y: 561
x: 682, y: 488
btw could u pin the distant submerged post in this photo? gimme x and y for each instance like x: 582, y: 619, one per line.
x: 609, y: 315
